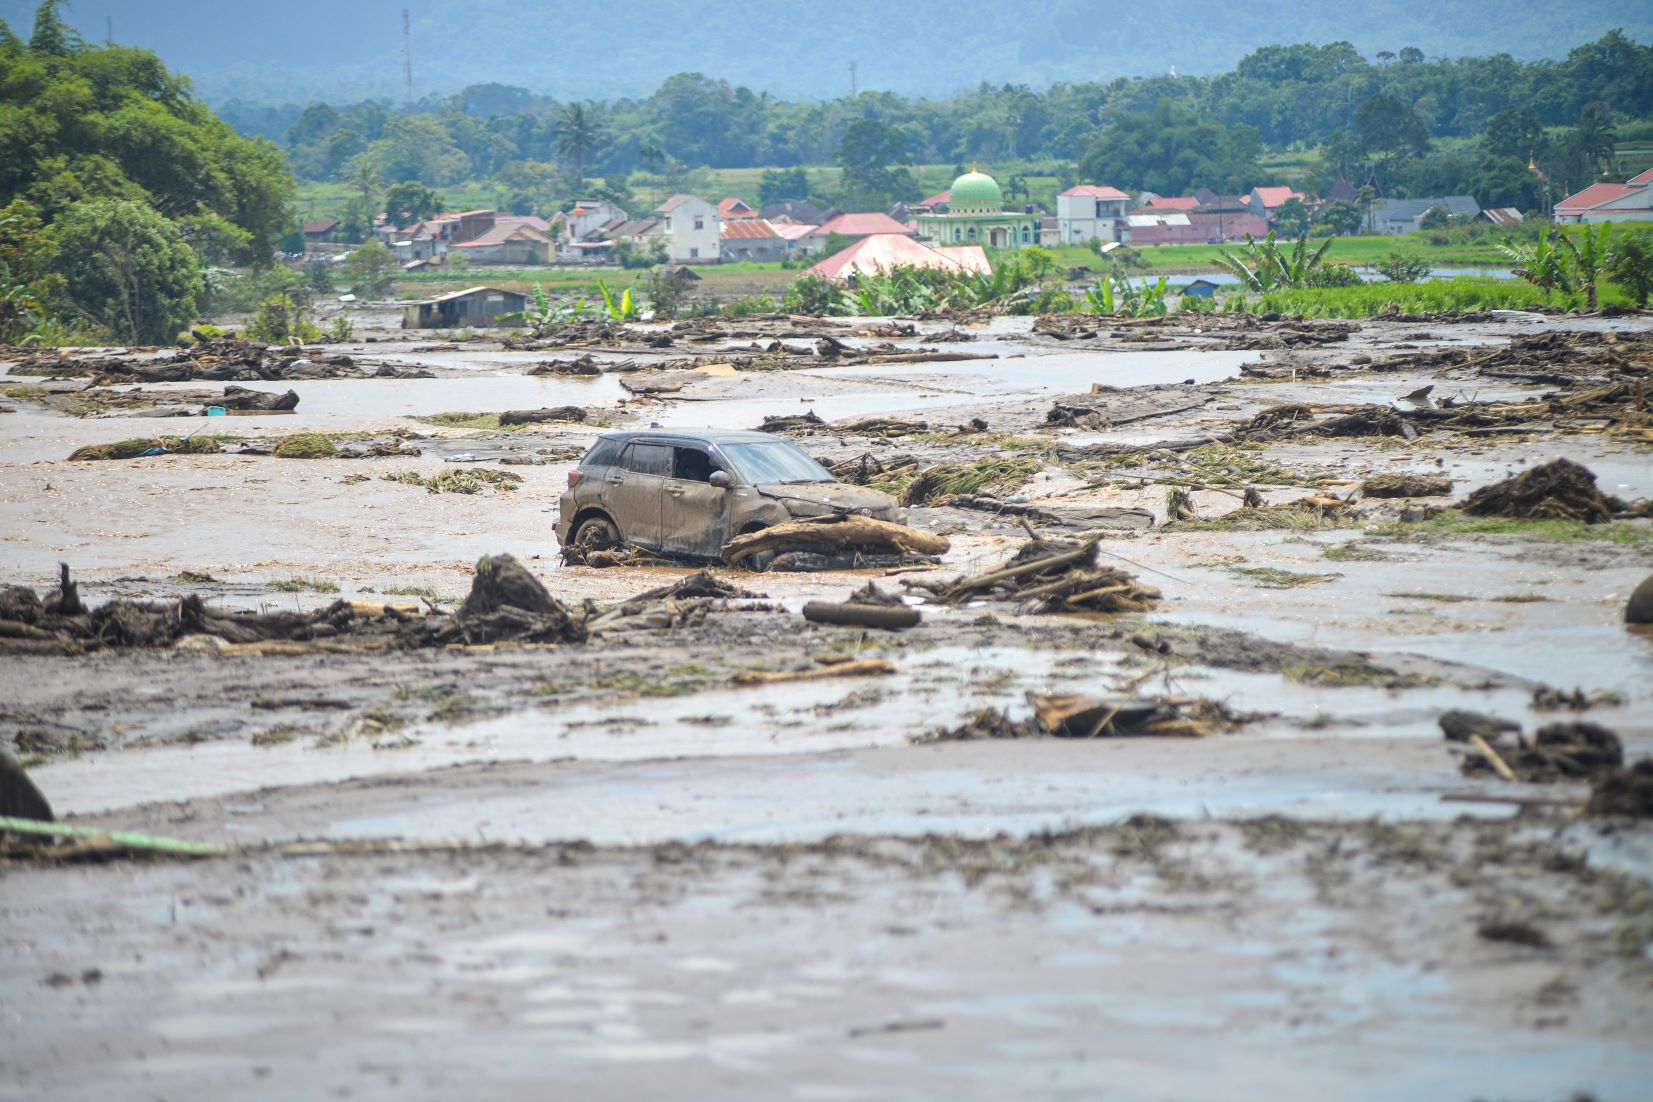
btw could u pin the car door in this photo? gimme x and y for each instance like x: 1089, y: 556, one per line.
x: 692, y: 510
x: 632, y: 491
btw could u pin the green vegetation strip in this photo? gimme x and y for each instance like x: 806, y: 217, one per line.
x: 111, y: 839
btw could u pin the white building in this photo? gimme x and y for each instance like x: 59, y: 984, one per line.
x: 693, y: 230
x: 1631, y: 201
x: 1091, y: 212
x: 587, y: 220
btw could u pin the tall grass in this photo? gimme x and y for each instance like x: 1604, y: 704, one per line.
x: 1436, y: 296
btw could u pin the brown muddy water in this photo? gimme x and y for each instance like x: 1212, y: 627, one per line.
x: 605, y: 870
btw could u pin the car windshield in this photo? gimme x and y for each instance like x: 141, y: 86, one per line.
x: 776, y: 462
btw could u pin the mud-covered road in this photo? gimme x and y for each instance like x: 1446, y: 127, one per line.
x: 612, y: 867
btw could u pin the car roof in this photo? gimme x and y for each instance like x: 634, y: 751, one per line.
x: 706, y: 437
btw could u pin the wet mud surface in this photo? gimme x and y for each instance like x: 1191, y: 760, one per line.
x: 790, y: 889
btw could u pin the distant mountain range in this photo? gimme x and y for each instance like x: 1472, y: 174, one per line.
x: 298, y: 51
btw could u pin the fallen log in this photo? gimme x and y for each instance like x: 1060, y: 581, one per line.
x: 883, y: 617
x: 838, y: 531
x: 537, y: 416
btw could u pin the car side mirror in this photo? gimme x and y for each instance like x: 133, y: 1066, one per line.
x: 721, y: 480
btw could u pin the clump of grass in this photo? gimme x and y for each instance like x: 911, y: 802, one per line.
x: 304, y: 445
x: 1347, y: 674
x: 1243, y: 465
x: 1352, y: 552
x: 470, y: 480
x: 992, y: 476
x: 275, y: 736
x: 1443, y: 598
x: 300, y: 584
x: 1450, y: 522
x: 461, y: 420
x: 424, y: 592
x: 680, y: 681
x: 132, y: 449
x: 1269, y: 577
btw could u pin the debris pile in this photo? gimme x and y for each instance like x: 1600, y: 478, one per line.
x: 506, y: 603
x: 538, y: 416
x: 1624, y: 792
x: 1078, y: 716
x: 141, y: 447
x: 989, y: 476
x: 1052, y: 576
x: 1557, y: 490
x: 838, y: 534
x: 1559, y: 751
x: 224, y: 359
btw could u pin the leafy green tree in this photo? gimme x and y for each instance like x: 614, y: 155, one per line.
x: 778, y: 185
x: 1540, y: 263
x: 369, y: 268
x: 1586, y: 254
x: 1391, y: 130
x: 1514, y: 132
x: 873, y: 156
x: 127, y: 269
x: 52, y: 36
x: 282, y: 319
x: 1594, y: 139
x: 1292, y: 218
x: 410, y: 201
x: 1399, y: 268
x: 1341, y: 218
x: 1631, y: 266
x: 27, y: 281
x: 1435, y: 218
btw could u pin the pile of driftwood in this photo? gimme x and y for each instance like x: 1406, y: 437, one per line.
x: 1077, y: 716
x: 1050, y: 576
x: 681, y: 604
x: 506, y: 604
x: 1556, y: 752
x: 225, y: 359
x: 837, y: 536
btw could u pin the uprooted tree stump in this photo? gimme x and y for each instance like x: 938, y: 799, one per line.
x: 1406, y: 485
x: 1557, y: 490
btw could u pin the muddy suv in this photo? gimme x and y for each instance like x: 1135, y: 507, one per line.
x: 687, y: 493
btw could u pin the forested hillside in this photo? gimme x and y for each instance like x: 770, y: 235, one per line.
x: 309, y: 49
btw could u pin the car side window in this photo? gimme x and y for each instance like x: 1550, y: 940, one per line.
x: 648, y: 459
x: 602, y: 455
x: 692, y: 465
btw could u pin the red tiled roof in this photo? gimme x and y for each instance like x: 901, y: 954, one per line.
x: 1644, y: 178
x: 1095, y: 191
x: 320, y: 225
x: 1597, y: 194
x: 1183, y: 203
x: 863, y: 223
x: 937, y: 199
x: 793, y: 231
x: 749, y: 228
x: 1276, y: 196
x: 736, y: 208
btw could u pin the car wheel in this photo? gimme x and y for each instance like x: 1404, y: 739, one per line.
x: 596, y: 534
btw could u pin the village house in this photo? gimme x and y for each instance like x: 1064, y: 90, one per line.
x: 693, y: 230
x: 1631, y: 201
x: 861, y: 224
x: 802, y: 239
x: 1265, y: 202
x: 753, y: 239
x: 585, y: 224
x: 512, y: 239
x: 320, y: 231
x: 734, y: 210
x: 1091, y: 212
x: 1398, y: 216
x: 474, y: 306
x: 799, y: 211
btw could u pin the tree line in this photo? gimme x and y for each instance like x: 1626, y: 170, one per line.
x: 1412, y: 124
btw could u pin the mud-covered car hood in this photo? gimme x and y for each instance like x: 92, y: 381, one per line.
x: 813, y: 499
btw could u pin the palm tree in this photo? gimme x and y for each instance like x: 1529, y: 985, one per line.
x: 579, y: 137
x: 1593, y: 140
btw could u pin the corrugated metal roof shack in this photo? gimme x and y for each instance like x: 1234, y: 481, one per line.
x: 476, y: 306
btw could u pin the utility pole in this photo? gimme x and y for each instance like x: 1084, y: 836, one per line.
x: 852, y: 92
x: 109, y: 30
x: 407, y: 55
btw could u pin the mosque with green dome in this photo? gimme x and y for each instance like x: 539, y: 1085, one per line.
x: 976, y: 216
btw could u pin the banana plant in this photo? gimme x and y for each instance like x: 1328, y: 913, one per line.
x: 1586, y: 256
x: 623, y: 308
x: 1541, y: 263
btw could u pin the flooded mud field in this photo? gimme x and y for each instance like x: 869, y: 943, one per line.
x: 1270, y: 725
